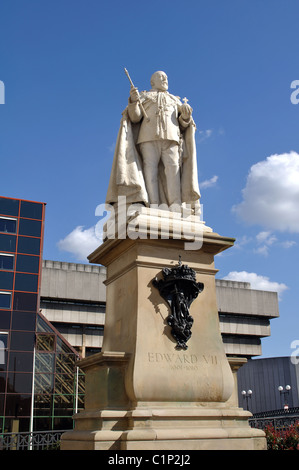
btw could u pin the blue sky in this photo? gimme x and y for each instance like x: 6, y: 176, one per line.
x: 61, y: 63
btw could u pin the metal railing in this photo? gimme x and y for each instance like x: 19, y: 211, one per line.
x: 277, y: 418
x: 43, y: 440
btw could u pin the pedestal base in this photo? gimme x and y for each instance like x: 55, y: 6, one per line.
x: 154, y: 426
x: 184, y: 428
x: 142, y: 391
x: 162, y: 426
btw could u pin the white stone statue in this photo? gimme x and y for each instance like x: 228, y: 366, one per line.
x: 155, y: 155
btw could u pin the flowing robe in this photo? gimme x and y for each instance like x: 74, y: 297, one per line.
x: 127, y: 178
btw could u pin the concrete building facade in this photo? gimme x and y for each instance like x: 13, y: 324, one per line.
x: 73, y: 299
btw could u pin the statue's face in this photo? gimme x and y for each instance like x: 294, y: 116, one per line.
x: 160, y: 81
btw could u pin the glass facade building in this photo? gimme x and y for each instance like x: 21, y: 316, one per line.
x: 40, y: 385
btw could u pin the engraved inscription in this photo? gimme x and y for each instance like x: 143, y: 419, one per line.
x: 181, y: 361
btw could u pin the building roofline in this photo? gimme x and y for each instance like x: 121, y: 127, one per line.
x: 21, y: 199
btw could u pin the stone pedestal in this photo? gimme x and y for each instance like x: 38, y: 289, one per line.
x: 143, y: 393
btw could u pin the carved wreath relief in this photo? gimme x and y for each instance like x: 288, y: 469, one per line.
x: 179, y: 288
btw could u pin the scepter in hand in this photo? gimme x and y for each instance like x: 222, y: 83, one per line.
x: 139, y: 101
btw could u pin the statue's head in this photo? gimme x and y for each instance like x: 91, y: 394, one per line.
x: 159, y: 81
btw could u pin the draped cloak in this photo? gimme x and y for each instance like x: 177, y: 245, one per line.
x: 127, y: 179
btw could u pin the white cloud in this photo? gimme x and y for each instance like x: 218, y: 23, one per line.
x: 208, y: 133
x: 257, y: 281
x: 265, y: 237
x: 80, y: 242
x: 288, y: 243
x: 208, y: 183
x: 205, y: 134
x: 111, y: 147
x: 262, y: 250
x: 242, y: 241
x: 271, y: 194
x: 264, y: 240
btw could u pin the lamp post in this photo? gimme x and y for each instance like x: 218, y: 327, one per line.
x: 246, y: 395
x: 284, y: 394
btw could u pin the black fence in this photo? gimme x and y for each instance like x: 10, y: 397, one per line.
x: 277, y: 418
x: 44, y: 440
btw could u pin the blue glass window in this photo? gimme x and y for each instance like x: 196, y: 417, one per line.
x: 31, y: 210
x: 19, y: 382
x: 22, y: 361
x: 9, y: 206
x: 24, y: 301
x: 5, y: 300
x: 6, y: 280
x: 25, y: 282
x: 29, y: 245
x: 5, y: 316
x: 18, y: 404
x: 8, y: 225
x: 22, y: 340
x: 26, y: 264
x: 6, y: 261
x: 8, y: 242
x: 2, y: 386
x: 30, y: 227
x: 23, y: 321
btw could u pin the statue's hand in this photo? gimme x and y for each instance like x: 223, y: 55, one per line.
x: 186, y: 111
x: 134, y: 95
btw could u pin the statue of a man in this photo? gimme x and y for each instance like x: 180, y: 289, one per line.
x: 155, y: 155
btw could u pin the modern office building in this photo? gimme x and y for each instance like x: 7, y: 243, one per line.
x: 272, y: 383
x: 39, y: 379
